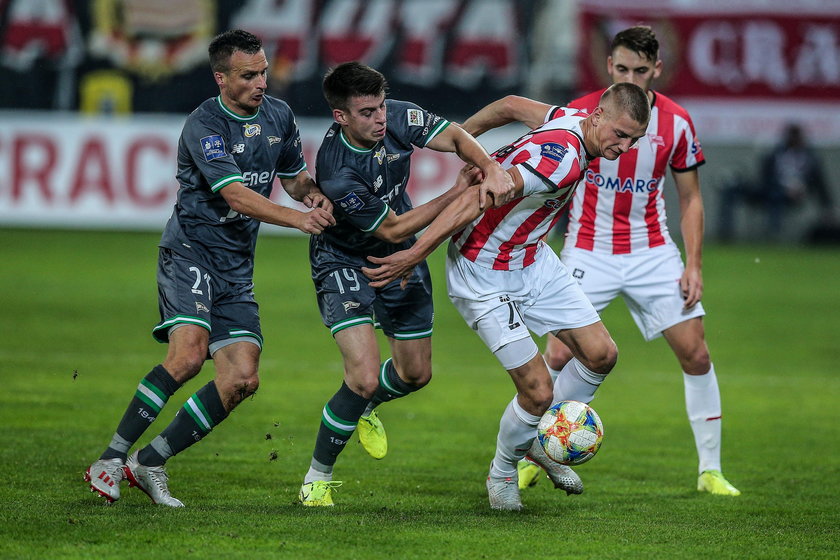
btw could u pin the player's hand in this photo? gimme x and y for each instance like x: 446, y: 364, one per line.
x: 498, y: 185
x: 316, y: 221
x: 398, y: 265
x: 468, y: 175
x: 691, y: 287
x: 316, y: 199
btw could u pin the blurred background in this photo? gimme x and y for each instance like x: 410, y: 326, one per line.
x: 95, y: 93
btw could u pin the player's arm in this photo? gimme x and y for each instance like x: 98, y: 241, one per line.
x: 460, y: 212
x: 512, y: 108
x: 302, y: 187
x: 243, y: 200
x: 397, y: 228
x: 495, y: 181
x: 691, y: 226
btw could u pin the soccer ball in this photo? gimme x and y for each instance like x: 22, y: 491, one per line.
x: 570, y: 432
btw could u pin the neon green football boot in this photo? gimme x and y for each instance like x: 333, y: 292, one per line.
x: 713, y: 482
x: 372, y: 435
x: 318, y: 493
x: 529, y: 473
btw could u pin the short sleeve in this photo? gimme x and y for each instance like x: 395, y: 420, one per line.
x: 207, y: 146
x: 414, y: 123
x: 290, y: 162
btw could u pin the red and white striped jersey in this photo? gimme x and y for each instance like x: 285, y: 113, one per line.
x: 620, y: 207
x: 552, y: 155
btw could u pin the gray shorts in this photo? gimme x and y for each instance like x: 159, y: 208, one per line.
x: 345, y: 299
x: 191, y: 294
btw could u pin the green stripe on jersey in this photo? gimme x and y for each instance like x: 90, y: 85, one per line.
x: 437, y: 130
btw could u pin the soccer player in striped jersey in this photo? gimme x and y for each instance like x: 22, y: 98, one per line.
x: 231, y: 149
x: 618, y: 245
x: 363, y: 166
x: 507, y: 282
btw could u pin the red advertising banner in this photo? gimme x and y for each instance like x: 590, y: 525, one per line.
x: 741, y: 68
x: 718, y: 55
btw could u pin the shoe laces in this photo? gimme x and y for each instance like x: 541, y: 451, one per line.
x: 159, y: 477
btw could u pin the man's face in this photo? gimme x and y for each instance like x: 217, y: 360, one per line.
x: 628, y: 66
x: 243, y: 85
x: 615, y: 133
x: 364, y: 120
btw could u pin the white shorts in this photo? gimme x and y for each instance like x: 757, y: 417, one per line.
x: 503, y: 305
x: 649, y: 282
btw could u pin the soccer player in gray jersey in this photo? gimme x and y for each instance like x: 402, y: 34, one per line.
x: 230, y: 150
x: 363, y: 167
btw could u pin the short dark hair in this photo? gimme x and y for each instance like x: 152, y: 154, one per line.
x: 628, y: 98
x: 225, y: 44
x: 640, y: 39
x: 352, y: 79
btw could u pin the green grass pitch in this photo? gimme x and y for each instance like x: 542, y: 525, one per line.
x: 77, y: 311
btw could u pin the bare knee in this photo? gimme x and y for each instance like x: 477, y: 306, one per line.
x: 536, y: 400
x: 603, y: 360
x: 236, y: 385
x: 186, y: 362
x: 696, y: 362
x: 557, y: 354
x: 363, y: 386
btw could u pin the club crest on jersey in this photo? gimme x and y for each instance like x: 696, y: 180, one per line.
x: 350, y: 203
x: 393, y: 157
x: 348, y: 305
x: 380, y: 155
x: 213, y: 147
x: 251, y: 130
x: 656, y: 140
x: 274, y: 140
x: 415, y: 117
x: 553, y: 151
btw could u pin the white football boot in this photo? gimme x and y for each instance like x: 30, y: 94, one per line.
x: 562, y: 476
x: 504, y: 493
x: 151, y: 480
x: 105, y: 476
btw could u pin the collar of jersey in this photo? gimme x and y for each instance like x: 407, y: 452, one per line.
x: 233, y: 115
x: 353, y: 148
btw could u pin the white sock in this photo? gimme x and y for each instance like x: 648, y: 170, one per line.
x: 517, y: 429
x: 315, y: 474
x: 576, y: 382
x: 702, y: 403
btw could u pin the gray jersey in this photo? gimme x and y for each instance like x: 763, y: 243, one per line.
x: 218, y: 147
x: 364, y: 184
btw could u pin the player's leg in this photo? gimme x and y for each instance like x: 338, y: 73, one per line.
x: 654, y: 299
x: 177, y: 303
x: 235, y: 344
x: 702, y: 402
x: 406, y: 315
x: 340, y: 415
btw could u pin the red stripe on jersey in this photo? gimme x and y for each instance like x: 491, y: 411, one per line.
x: 624, y: 203
x: 664, y: 129
x: 519, y: 237
x: 586, y: 233
x: 484, y: 228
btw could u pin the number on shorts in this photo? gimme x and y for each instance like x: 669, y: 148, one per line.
x: 350, y: 276
x: 197, y: 273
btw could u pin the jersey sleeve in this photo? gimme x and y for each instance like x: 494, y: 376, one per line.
x: 550, y: 161
x: 290, y: 162
x: 207, y: 145
x: 351, y: 196
x: 413, y: 123
x: 688, y: 153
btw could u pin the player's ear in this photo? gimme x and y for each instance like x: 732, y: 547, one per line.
x: 339, y: 116
x: 220, y: 78
x: 657, y: 69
